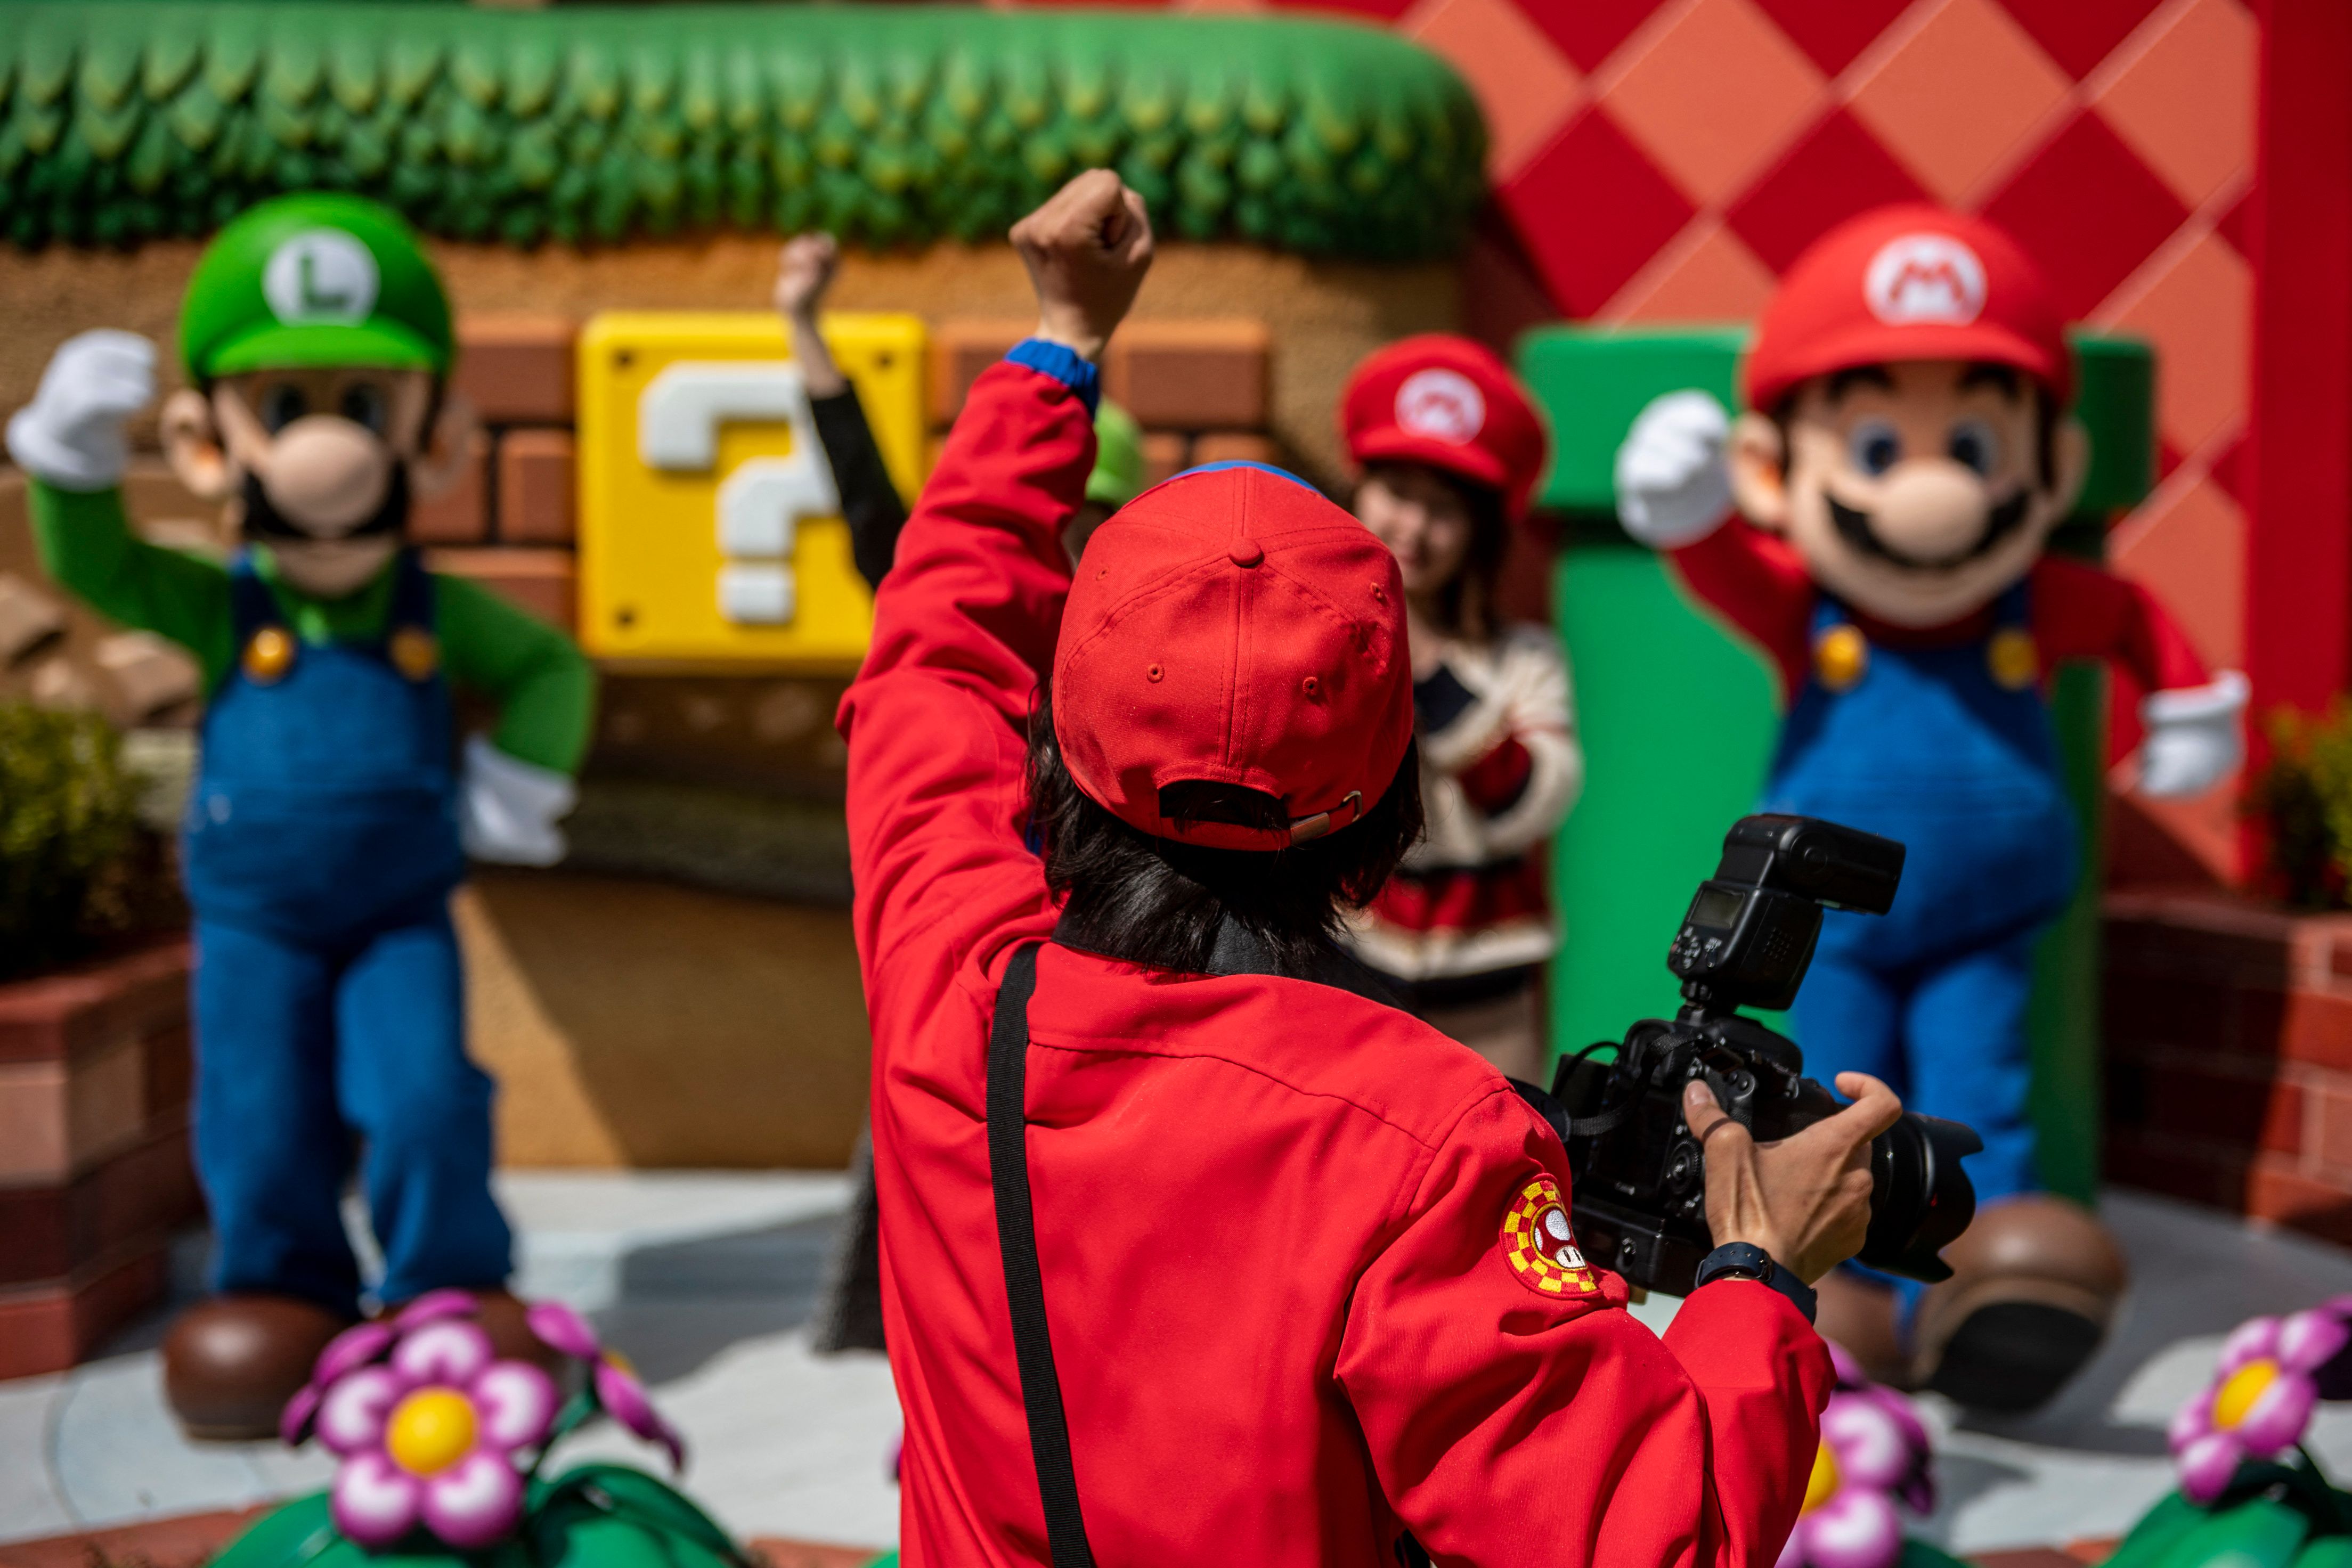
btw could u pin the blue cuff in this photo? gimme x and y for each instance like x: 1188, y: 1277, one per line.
x: 1064, y: 364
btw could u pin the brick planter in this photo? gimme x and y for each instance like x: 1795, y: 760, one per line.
x: 2229, y: 1053
x: 94, y: 1169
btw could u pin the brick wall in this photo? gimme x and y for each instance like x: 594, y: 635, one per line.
x: 2228, y: 1056
x: 509, y: 522
x: 94, y: 1166
x: 1199, y: 387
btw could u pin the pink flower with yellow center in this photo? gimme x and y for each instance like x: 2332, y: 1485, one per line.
x: 1873, y: 1453
x: 2260, y: 1401
x: 427, y: 1421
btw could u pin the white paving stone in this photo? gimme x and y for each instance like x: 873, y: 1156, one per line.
x: 115, y: 1455
x: 29, y: 1503
x: 705, y: 1281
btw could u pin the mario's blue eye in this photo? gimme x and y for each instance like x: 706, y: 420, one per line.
x: 1875, y: 446
x: 1973, y: 445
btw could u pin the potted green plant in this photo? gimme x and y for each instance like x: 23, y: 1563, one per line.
x: 93, y: 989
x: 2226, y: 1012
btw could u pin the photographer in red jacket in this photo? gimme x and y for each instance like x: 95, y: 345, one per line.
x: 1193, y: 1250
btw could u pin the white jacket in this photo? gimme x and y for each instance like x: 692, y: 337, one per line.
x: 1518, y: 690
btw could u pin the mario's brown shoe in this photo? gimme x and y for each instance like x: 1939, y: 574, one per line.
x: 1859, y: 1316
x: 2033, y: 1287
x: 500, y: 1313
x: 230, y: 1363
x: 502, y: 1316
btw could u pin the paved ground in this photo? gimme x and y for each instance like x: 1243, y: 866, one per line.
x: 705, y: 1281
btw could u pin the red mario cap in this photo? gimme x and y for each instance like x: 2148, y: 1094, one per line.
x: 1451, y: 403
x: 1908, y: 282
x: 1232, y: 626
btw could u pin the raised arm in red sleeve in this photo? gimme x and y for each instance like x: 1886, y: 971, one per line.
x: 2082, y: 612
x: 1756, y: 582
x: 963, y: 627
x: 1511, y: 1426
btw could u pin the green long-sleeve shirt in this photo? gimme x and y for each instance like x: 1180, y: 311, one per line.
x: 543, y: 686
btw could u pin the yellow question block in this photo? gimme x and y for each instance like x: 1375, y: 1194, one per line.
x: 711, y: 531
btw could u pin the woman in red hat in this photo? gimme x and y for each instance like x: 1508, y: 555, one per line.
x: 1449, y: 448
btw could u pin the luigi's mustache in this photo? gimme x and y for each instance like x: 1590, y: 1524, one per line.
x: 2002, y: 518
x: 265, y: 521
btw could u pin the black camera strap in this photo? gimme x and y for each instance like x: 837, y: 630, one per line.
x: 1016, y: 1243
x: 1237, y: 952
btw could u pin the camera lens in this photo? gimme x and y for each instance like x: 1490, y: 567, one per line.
x: 1920, y: 1199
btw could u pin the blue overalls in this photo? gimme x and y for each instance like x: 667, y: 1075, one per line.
x: 320, y: 850
x: 1951, y: 750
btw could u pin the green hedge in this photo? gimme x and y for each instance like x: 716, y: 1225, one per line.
x: 121, y: 122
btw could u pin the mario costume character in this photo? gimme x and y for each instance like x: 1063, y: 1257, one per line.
x: 1449, y: 447
x: 1905, y: 460
x: 330, y: 818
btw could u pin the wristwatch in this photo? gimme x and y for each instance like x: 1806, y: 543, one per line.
x: 1746, y: 1260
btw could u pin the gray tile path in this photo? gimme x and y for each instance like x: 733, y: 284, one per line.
x: 706, y: 1279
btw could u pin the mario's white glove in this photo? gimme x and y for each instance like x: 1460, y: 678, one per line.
x: 1673, y: 483
x: 2193, y: 736
x: 70, y: 436
x: 509, y: 808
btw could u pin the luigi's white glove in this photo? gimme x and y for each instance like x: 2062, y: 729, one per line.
x: 1673, y: 483
x: 2193, y: 736
x: 510, y: 807
x: 72, y: 433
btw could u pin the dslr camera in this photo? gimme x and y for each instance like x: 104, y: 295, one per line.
x: 1639, y: 1190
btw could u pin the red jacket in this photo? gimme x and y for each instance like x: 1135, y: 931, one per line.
x: 1269, y: 1213
x: 1758, y: 582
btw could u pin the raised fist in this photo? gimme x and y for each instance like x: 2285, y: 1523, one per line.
x: 72, y: 433
x: 804, y: 272
x: 1674, y: 484
x: 1086, y: 250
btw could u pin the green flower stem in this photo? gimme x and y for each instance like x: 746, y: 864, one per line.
x: 580, y: 1408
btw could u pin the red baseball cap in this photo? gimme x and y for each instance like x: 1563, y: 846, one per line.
x: 1449, y: 402
x: 1908, y: 282
x: 1231, y: 626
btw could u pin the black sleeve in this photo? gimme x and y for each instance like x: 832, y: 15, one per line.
x: 1440, y: 700
x: 869, y: 502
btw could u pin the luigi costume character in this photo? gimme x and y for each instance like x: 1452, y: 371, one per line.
x: 1907, y: 454
x: 334, y: 809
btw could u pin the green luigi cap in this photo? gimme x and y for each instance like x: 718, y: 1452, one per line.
x: 320, y: 278
x: 1118, y: 477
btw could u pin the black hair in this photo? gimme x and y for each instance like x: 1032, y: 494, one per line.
x: 2003, y: 379
x: 1466, y: 605
x: 1159, y: 901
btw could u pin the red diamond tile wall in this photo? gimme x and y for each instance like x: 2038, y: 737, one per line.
x: 1663, y: 159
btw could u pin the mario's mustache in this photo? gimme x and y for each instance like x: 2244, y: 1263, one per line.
x: 1856, y: 526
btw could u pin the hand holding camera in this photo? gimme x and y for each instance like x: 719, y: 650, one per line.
x: 1704, y: 1130
x: 1805, y: 1199
x: 1086, y: 250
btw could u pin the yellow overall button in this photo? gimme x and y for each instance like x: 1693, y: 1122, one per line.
x: 1841, y: 656
x: 269, y: 655
x: 2014, y: 661
x: 414, y: 653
